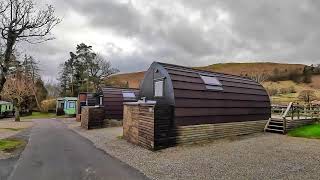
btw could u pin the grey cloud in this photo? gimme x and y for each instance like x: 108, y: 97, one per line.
x: 264, y: 30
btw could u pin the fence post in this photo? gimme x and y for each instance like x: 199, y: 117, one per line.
x: 292, y: 111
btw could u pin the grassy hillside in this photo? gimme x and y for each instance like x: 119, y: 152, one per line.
x: 285, y: 98
x: 133, y: 79
x: 249, y: 68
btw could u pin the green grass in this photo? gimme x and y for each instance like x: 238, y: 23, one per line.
x: 309, y: 131
x: 13, y: 129
x: 40, y: 115
x: 9, y: 145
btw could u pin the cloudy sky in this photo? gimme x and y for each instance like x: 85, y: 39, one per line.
x: 134, y: 33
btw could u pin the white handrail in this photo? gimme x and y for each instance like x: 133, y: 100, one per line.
x: 287, y: 110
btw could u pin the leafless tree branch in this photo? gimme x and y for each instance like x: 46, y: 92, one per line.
x: 22, y: 21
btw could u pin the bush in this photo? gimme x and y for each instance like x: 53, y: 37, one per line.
x: 48, y: 105
x: 292, y: 89
x: 272, y: 91
x: 307, y: 96
x: 283, y: 91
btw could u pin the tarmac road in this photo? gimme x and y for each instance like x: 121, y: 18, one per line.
x: 55, y: 152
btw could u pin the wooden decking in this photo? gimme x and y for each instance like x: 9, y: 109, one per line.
x: 291, y: 116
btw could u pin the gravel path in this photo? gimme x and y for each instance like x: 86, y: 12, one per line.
x: 259, y: 156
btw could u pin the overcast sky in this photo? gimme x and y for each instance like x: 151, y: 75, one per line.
x: 134, y: 33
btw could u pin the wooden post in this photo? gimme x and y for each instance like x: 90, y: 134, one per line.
x: 292, y: 111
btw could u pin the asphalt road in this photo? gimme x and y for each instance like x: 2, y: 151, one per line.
x: 55, y: 152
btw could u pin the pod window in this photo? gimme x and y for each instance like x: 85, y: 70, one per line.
x: 72, y: 104
x: 158, y: 88
x: 128, y: 95
x: 212, y: 83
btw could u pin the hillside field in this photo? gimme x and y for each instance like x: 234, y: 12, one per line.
x: 249, y: 68
x: 285, y: 98
x: 133, y: 79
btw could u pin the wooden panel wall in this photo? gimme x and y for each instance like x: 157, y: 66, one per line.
x: 92, y: 117
x: 301, y: 122
x: 209, y: 132
x: 138, y: 125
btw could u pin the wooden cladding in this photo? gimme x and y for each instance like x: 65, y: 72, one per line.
x: 151, y: 127
x: 299, y: 122
x: 138, y: 125
x: 208, y: 132
x: 113, y: 101
x: 92, y: 117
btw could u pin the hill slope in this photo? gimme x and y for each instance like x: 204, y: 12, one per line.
x: 133, y: 79
x: 249, y: 68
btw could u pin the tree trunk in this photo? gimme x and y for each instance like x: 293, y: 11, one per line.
x: 11, y: 40
x: 36, y: 98
x: 17, y: 113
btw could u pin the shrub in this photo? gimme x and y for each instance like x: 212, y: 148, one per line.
x: 283, y: 91
x: 48, y: 105
x: 272, y: 91
x: 307, y: 95
x: 292, y: 89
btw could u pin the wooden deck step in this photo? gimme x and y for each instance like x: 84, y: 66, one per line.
x: 274, y: 130
x: 277, y: 126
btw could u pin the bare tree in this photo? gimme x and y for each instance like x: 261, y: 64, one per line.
x: 307, y: 96
x: 16, y: 89
x: 31, y: 71
x: 99, y: 69
x: 260, y: 77
x: 22, y: 21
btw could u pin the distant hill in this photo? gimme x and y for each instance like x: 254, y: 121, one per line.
x: 243, y: 69
x: 131, y: 80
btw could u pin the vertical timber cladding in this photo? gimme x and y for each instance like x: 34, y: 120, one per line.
x: 92, y: 117
x: 138, y: 124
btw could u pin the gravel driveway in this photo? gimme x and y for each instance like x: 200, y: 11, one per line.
x: 259, y: 156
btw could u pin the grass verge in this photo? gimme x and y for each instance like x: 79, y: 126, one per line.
x: 308, y: 131
x: 9, y: 145
x: 40, y: 115
x: 13, y: 129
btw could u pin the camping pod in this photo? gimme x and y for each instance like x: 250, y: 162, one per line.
x: 68, y: 106
x: 87, y: 99
x: 186, y: 105
x: 113, y: 99
x: 6, y: 108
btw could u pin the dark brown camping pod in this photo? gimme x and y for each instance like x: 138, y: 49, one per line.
x: 113, y: 99
x: 186, y: 105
